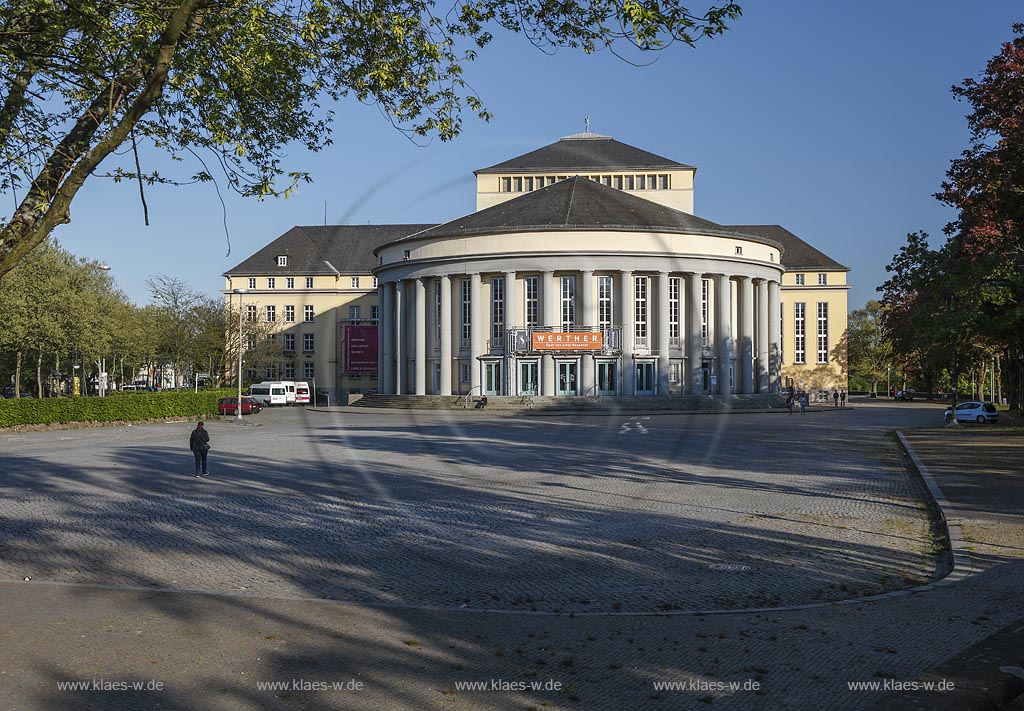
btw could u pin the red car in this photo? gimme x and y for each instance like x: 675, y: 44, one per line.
x: 229, y: 406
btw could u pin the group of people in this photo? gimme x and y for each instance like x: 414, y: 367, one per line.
x: 838, y: 400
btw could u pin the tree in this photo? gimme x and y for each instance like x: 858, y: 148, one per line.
x: 869, y: 351
x: 243, y: 79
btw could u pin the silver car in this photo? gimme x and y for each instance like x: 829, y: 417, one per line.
x: 980, y: 412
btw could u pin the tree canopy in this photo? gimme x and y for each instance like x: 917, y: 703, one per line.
x: 236, y: 81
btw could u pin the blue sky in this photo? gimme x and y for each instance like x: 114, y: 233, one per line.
x: 834, y: 120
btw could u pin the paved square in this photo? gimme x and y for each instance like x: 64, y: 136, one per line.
x: 476, y: 510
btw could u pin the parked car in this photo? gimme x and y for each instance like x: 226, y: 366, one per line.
x: 229, y: 406
x: 905, y: 395
x: 980, y: 412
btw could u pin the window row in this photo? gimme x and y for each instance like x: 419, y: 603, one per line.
x: 287, y: 372
x: 289, y: 282
x: 633, y: 181
x: 270, y: 313
x: 800, y: 333
x: 802, y: 281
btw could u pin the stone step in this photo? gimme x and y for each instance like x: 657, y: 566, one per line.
x: 682, y: 403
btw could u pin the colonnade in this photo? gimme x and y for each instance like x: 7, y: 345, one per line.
x: 714, y: 334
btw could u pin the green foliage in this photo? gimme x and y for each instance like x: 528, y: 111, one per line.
x: 243, y: 81
x: 869, y: 350
x: 120, y: 407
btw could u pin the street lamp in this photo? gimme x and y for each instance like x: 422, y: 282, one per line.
x: 888, y: 388
x: 238, y: 409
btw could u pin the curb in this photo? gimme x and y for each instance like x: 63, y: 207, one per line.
x: 988, y: 675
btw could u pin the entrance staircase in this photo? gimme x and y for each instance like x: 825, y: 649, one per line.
x: 680, y: 403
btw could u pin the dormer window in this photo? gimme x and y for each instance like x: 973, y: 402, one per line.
x: 282, y: 260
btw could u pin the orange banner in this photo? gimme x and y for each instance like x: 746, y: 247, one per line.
x: 567, y: 341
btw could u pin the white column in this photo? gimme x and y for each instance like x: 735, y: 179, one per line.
x: 585, y: 317
x: 513, y: 304
x: 626, y: 307
x: 663, y: 321
x: 477, y: 330
x: 401, y: 347
x: 421, y: 337
x: 723, y: 330
x: 548, y: 302
x: 446, y: 335
x: 774, y: 337
x: 386, y: 339
x: 694, y: 323
x: 762, y: 336
x: 745, y: 348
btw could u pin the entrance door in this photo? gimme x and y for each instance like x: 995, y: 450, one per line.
x: 646, y: 378
x: 492, y: 377
x: 607, y: 377
x: 528, y: 377
x: 705, y: 376
x: 567, y: 377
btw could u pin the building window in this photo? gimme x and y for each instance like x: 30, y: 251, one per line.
x: 250, y: 342
x: 799, y: 279
x: 641, y: 182
x: 308, y: 342
x: 568, y: 302
x: 822, y: 279
x: 497, y: 309
x: 506, y: 185
x: 307, y: 314
x: 799, y: 332
x: 605, y: 288
x: 289, y: 314
x: 270, y: 282
x: 629, y: 182
x: 675, y: 372
x: 289, y: 371
x: 353, y: 312
x: 663, y: 181
x: 271, y: 314
x: 822, y: 332
x: 282, y: 260
x: 289, y: 343
x: 705, y: 289
x: 673, y: 311
x: 739, y: 249
x: 250, y: 312
x: 374, y: 282
x: 640, y: 284
x: 355, y: 282
x: 467, y: 312
x: 252, y: 282
x: 517, y: 185
x: 528, y: 184
x: 531, y: 288
x: 374, y: 314
x: 268, y: 373
x: 309, y: 370
x: 290, y: 282
x: 250, y: 374
x: 463, y: 372
x: 309, y: 282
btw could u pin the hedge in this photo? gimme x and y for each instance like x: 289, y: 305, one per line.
x: 113, y: 408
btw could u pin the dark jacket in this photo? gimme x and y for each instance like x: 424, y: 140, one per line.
x: 199, y: 436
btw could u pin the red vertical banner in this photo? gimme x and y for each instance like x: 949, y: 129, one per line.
x: 361, y: 350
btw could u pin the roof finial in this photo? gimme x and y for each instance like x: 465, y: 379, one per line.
x: 586, y: 124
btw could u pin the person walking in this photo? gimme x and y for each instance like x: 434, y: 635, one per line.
x: 842, y: 399
x: 802, y: 398
x: 835, y: 398
x: 789, y: 403
x: 199, y: 443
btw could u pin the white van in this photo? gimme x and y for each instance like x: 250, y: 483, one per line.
x: 301, y: 393
x: 269, y: 394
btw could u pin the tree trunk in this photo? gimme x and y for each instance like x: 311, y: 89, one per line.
x: 56, y: 369
x: 39, y: 375
x: 17, y: 375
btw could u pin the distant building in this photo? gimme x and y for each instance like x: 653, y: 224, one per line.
x: 583, y: 271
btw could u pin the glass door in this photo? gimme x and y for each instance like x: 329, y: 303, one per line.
x: 567, y: 377
x: 492, y: 377
x: 528, y: 377
x: 705, y: 376
x: 646, y: 378
x: 607, y: 377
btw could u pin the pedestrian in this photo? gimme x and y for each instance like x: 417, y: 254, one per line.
x: 842, y: 398
x: 199, y: 443
x: 892, y: 392
x: 835, y: 398
x: 789, y: 403
x: 803, y: 402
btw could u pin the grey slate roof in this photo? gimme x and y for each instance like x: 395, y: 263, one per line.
x: 348, y: 248
x: 576, y: 204
x: 797, y: 254
x: 585, y: 152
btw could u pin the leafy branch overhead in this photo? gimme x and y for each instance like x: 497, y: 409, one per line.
x: 243, y: 79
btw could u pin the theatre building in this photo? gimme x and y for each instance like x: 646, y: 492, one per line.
x: 585, y: 272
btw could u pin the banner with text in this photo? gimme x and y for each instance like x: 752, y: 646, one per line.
x: 361, y: 350
x: 567, y: 341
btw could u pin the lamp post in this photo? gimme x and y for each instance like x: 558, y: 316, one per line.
x: 888, y: 389
x: 238, y: 409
